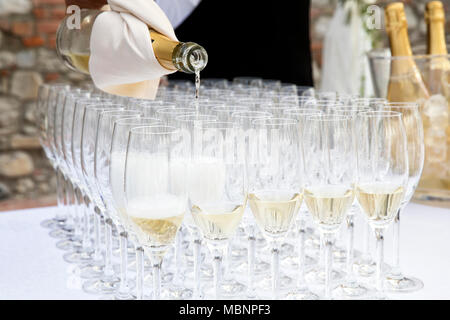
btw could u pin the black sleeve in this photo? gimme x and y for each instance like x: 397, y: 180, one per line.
x: 252, y: 38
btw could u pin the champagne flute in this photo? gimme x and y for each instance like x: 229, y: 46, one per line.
x: 42, y: 122
x: 382, y: 175
x: 155, y: 190
x: 274, y: 182
x: 116, y: 191
x: 101, y: 173
x: 246, y: 133
x: 108, y: 282
x: 351, y: 287
x: 365, y: 265
x: 188, y: 123
x: 330, y: 173
x: 55, y: 99
x: 302, y: 291
x: 217, y: 191
x: 412, y: 120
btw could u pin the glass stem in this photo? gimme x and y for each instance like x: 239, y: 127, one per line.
x: 217, y: 265
x: 251, y: 266
x: 86, y: 242
x: 68, y: 202
x: 108, y: 249
x: 123, y: 289
x: 379, y: 233
x: 367, y: 236
x: 178, y: 258
x: 301, y: 283
x: 395, y: 270
x: 60, y: 196
x: 350, y: 247
x: 139, y: 273
x: 328, y: 240
x: 75, y: 204
x: 97, y: 223
x: 197, y: 266
x: 156, y: 260
x: 228, y: 258
x: 275, y: 270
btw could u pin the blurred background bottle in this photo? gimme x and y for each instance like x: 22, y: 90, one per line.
x: 405, y: 83
x: 439, y: 68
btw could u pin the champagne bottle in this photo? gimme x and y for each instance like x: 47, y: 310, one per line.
x: 405, y: 82
x: 439, y: 68
x: 436, y: 113
x: 73, y: 47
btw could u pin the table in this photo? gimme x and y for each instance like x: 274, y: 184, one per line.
x: 31, y: 267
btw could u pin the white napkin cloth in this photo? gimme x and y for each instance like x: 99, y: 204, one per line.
x: 122, y: 60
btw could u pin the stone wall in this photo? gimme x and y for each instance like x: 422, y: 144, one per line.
x: 27, y: 59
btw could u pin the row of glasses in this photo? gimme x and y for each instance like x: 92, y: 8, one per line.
x: 222, y: 147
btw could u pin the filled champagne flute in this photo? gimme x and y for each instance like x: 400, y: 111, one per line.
x: 382, y: 157
x: 274, y: 178
x: 188, y: 124
x: 217, y: 192
x: 116, y: 190
x: 330, y: 174
x: 155, y: 190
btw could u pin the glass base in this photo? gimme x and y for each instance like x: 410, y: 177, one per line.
x: 174, y: 292
x: 286, y: 283
x: 69, y: 244
x: 105, y: 285
x: 398, y: 284
x: 61, y: 233
x: 292, y: 262
x: 93, y: 270
x: 206, y: 273
x: 53, y: 223
x: 238, y: 253
x: 365, y: 267
x: 302, y: 294
x: 261, y: 268
x: 79, y: 256
x: 316, y: 275
x: 229, y: 289
x: 117, y: 296
x: 350, y: 290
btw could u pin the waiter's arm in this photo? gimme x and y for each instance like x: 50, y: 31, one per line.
x: 87, y: 4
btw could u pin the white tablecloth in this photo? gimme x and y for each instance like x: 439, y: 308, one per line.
x: 31, y: 267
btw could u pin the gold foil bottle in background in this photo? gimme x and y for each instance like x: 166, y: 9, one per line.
x: 437, y: 79
x: 73, y: 47
x: 436, y: 111
x: 405, y: 83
